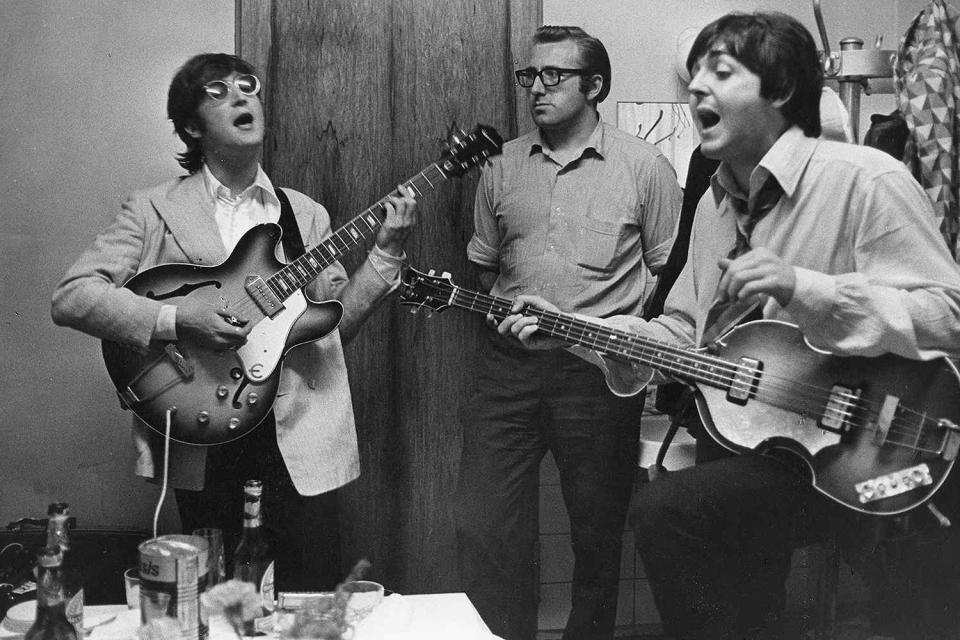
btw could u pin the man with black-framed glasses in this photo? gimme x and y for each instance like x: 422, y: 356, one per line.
x: 582, y: 213
x: 306, y: 446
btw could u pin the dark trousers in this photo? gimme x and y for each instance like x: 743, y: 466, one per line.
x: 717, y: 538
x: 303, y: 531
x: 528, y: 403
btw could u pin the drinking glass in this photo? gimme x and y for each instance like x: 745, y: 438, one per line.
x: 216, y: 566
x: 131, y: 583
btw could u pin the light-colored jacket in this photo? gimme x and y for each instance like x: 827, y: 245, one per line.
x: 174, y: 223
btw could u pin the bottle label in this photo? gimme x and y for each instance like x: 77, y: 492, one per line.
x: 74, y: 612
x: 267, y: 593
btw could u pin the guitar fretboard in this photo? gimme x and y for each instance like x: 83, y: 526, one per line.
x: 303, y: 270
x: 614, y: 343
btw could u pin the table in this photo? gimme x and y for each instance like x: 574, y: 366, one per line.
x: 437, y: 616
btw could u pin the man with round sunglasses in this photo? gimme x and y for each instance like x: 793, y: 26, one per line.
x: 582, y: 214
x: 306, y: 447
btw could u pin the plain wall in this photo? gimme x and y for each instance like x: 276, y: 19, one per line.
x: 82, y: 123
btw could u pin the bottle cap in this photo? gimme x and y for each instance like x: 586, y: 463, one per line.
x: 254, y: 487
x: 59, y: 508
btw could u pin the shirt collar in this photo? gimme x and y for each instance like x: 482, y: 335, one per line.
x: 785, y: 161
x: 216, y: 190
x: 594, y: 143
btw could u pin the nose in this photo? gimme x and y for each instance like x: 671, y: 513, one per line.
x: 697, y: 85
x: 237, y: 96
x: 538, y: 87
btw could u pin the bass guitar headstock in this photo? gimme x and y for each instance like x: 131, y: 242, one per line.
x: 420, y: 290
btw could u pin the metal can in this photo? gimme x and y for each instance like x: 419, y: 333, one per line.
x: 173, y: 574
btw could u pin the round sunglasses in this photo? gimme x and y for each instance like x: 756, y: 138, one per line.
x: 248, y: 84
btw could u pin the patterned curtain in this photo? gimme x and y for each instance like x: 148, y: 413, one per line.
x: 927, y: 77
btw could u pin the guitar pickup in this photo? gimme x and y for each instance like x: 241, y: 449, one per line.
x: 264, y: 297
x: 893, y: 484
x: 745, y: 380
x: 839, y: 410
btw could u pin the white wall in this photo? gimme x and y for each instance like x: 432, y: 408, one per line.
x: 82, y: 122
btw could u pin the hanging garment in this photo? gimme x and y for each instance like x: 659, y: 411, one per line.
x: 927, y: 77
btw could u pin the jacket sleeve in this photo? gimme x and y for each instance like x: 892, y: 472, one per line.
x: 91, y: 297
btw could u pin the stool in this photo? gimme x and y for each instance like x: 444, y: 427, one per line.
x: 681, y: 452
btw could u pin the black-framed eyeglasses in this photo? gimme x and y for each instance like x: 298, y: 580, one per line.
x: 247, y: 83
x: 549, y: 76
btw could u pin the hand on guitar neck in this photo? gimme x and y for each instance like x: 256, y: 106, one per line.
x: 401, y: 217
x: 523, y: 326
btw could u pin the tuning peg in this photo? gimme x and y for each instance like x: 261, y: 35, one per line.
x: 445, y: 274
x: 432, y: 272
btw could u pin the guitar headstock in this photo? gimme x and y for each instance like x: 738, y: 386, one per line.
x: 426, y: 290
x: 468, y: 150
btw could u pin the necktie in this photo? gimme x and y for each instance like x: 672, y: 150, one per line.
x: 749, y: 214
x: 723, y: 316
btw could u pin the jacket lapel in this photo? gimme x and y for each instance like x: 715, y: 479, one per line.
x: 188, y: 213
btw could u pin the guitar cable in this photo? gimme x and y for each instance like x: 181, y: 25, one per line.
x: 166, y: 469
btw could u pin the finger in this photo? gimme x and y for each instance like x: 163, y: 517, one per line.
x: 407, y: 192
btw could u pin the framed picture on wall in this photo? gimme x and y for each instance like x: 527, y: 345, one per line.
x: 667, y: 125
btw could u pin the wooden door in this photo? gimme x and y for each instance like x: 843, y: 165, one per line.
x: 360, y: 95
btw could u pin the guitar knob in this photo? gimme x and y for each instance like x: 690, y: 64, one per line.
x: 252, y: 399
x: 222, y: 392
x: 203, y: 417
x: 234, y: 423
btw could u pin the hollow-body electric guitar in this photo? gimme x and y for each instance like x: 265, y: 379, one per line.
x: 878, y: 435
x: 217, y: 396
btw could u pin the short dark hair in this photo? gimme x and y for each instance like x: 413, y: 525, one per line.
x: 777, y: 48
x: 186, y: 93
x: 593, y: 55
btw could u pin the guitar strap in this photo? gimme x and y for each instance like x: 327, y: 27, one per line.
x: 292, y: 241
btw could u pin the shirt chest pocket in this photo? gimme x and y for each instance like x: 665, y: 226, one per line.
x: 597, y: 245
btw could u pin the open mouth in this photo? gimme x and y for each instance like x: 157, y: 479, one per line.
x: 708, y: 118
x: 243, y: 120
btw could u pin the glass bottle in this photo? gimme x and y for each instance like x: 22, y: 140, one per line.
x: 58, y: 534
x: 51, y: 622
x: 252, y: 560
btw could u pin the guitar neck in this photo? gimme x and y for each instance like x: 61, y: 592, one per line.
x: 621, y: 345
x: 306, y: 268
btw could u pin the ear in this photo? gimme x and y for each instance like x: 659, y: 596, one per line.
x: 595, y: 82
x: 778, y: 103
x: 194, y: 131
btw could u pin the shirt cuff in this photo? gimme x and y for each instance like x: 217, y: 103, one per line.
x: 386, y: 265
x: 814, y: 294
x: 166, y: 325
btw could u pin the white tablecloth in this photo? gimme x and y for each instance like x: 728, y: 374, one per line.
x: 438, y: 616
